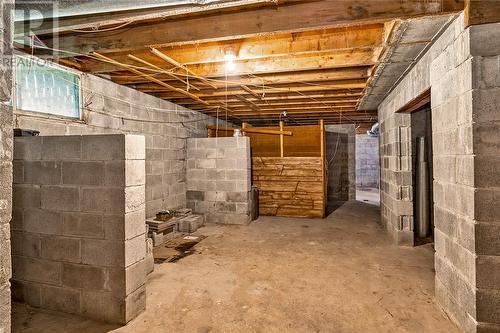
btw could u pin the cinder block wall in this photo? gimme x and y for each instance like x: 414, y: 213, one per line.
x: 219, y: 179
x: 110, y: 108
x: 78, y: 232
x: 367, y: 161
x: 5, y: 162
x: 462, y: 70
x: 484, y: 98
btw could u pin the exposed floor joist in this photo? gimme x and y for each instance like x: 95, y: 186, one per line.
x: 311, y: 57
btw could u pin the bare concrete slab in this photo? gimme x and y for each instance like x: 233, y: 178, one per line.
x: 340, y: 274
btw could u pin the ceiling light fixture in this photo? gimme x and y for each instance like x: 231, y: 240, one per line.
x: 230, y: 58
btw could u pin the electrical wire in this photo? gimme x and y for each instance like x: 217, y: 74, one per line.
x: 102, y: 30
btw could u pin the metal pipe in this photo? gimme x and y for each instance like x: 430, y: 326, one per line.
x: 422, y: 214
x: 374, y: 131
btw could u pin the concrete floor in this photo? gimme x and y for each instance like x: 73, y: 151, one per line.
x: 341, y: 274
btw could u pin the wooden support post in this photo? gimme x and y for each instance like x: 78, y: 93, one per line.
x: 323, y: 164
x: 282, y: 141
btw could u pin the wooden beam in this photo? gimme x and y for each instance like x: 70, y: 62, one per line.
x: 181, y: 66
x: 255, y: 130
x: 251, y: 22
x: 481, y: 12
x: 288, y: 44
x: 110, y: 19
x: 251, y: 92
x: 354, y: 84
x: 282, y: 141
x: 162, y: 71
x: 278, y: 64
x: 316, y: 75
x: 161, y: 83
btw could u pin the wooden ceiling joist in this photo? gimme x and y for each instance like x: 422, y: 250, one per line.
x: 151, y: 78
x: 295, y: 16
x: 181, y: 66
x: 161, y: 70
x: 311, y: 58
x: 317, y: 75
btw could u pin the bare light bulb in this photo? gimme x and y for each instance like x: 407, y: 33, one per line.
x: 229, y: 58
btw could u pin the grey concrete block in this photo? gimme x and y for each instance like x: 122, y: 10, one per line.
x: 83, y: 225
x: 36, y: 270
x: 26, y: 196
x: 103, y: 253
x: 135, y: 250
x: 25, y: 244
x: 195, y: 195
x: 60, y: 299
x: 61, y: 147
x: 487, y: 306
x: 135, y: 197
x: 135, y: 146
x: 84, y: 277
x: 42, y: 222
x: 103, y: 147
x: 42, y: 172
x: 135, y: 224
x: 26, y: 292
x: 103, y: 200
x: 135, y: 172
x: 27, y: 148
x: 62, y: 198
x: 135, y: 303
x: 83, y: 173
x: 61, y: 248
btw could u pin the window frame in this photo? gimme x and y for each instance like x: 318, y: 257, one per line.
x: 47, y: 115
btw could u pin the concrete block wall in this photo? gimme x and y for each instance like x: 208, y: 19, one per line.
x: 78, y: 231
x: 367, y: 161
x: 110, y: 108
x: 461, y: 68
x: 219, y: 179
x: 484, y: 98
x: 5, y: 162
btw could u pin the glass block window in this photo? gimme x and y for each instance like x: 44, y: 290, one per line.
x: 46, y: 88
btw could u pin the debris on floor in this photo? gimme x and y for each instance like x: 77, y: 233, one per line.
x: 176, y: 249
x: 169, y: 224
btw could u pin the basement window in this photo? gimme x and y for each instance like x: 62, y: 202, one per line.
x: 46, y: 88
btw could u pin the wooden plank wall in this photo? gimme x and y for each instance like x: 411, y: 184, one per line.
x: 290, y: 186
x: 305, y: 142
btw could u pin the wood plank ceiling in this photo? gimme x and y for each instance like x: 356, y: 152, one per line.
x: 312, y: 59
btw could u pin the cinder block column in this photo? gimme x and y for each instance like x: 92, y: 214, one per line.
x: 485, y: 130
x: 5, y: 161
x: 465, y: 82
x: 218, y: 179
x: 78, y: 231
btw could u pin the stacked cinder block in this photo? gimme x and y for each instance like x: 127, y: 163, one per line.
x: 6, y: 26
x: 218, y: 179
x: 78, y: 232
x: 111, y: 109
x: 190, y: 223
x: 367, y: 161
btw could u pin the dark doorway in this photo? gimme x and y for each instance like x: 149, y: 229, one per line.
x: 421, y: 134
